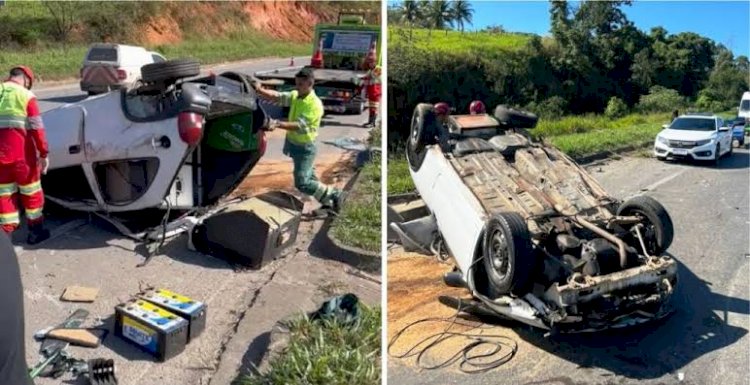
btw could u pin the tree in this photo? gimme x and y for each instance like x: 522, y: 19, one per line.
x: 462, y: 12
x: 65, y: 15
x: 411, y: 13
x: 439, y: 15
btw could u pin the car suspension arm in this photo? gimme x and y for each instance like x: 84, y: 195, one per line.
x: 621, y: 246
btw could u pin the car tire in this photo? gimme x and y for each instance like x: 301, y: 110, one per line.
x: 420, y: 136
x: 717, y: 155
x: 659, y: 230
x: 170, y: 70
x: 507, y: 254
x: 731, y: 149
x: 661, y: 158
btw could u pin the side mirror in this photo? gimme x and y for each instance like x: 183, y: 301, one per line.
x: 665, y: 126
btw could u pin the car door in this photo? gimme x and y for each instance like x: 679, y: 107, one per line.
x: 725, y: 136
x: 132, y: 159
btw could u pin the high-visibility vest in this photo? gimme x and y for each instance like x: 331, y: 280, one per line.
x: 310, y: 109
x: 14, y: 98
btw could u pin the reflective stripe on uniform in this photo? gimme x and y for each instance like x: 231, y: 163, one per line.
x: 33, y: 213
x: 8, y: 121
x: 35, y: 123
x: 9, y: 218
x: 322, y: 192
x: 8, y: 189
x: 31, y: 189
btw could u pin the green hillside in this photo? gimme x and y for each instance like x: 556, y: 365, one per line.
x: 456, y: 42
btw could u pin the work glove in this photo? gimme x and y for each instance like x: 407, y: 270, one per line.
x: 44, y: 164
x: 272, y: 124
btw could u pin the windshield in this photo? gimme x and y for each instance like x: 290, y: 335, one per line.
x: 745, y: 105
x: 693, y: 124
x: 103, y: 54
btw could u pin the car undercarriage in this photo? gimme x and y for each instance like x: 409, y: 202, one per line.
x: 552, y: 248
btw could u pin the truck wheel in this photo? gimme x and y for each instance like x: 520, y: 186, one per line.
x: 508, y: 254
x: 659, y: 230
x: 170, y: 70
x: 419, y: 135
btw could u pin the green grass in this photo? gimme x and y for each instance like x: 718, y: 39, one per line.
x: 399, y: 179
x: 62, y: 63
x: 327, y: 353
x: 359, y: 222
x: 455, y: 41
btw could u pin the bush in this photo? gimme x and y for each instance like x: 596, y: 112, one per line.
x: 660, y: 99
x: 549, y: 109
x: 616, y: 108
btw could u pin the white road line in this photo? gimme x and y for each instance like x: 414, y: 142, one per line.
x: 664, y: 180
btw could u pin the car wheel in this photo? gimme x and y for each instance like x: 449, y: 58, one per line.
x: 661, y: 158
x: 717, y: 155
x: 419, y: 135
x: 731, y: 149
x: 659, y: 230
x: 508, y: 254
x: 170, y: 70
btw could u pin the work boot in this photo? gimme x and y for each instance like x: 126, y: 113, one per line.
x: 337, y: 202
x: 37, y: 234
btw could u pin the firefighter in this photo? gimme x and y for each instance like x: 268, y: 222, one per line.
x: 477, y: 108
x: 23, y: 155
x: 373, y: 90
x: 305, y: 115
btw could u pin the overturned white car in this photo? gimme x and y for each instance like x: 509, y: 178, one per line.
x: 534, y: 236
x: 176, y: 142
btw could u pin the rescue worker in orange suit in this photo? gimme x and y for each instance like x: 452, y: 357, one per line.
x: 23, y: 155
x: 373, y: 90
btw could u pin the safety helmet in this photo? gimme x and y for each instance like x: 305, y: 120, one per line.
x: 27, y: 72
x: 477, y: 107
x: 442, y: 108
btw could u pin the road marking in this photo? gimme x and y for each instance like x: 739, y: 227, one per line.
x: 664, y: 180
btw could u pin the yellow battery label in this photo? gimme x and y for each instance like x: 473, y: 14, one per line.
x: 139, y: 334
x: 174, y: 301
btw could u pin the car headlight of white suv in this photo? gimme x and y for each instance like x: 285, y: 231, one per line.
x: 703, y: 142
x: 662, y: 140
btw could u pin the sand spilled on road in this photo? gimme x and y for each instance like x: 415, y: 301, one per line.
x: 277, y: 175
x: 414, y: 284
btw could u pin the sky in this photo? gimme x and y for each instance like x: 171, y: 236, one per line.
x: 726, y: 22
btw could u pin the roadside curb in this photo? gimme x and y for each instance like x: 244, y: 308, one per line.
x: 327, y: 244
x: 592, y: 159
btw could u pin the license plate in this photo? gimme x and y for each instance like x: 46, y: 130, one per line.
x: 679, y: 151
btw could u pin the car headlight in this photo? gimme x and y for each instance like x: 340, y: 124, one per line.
x: 703, y: 142
x: 662, y: 140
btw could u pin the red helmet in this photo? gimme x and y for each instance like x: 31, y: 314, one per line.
x: 477, y: 107
x: 442, y: 108
x: 27, y: 72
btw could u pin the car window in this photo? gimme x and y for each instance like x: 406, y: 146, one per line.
x: 745, y: 105
x: 157, y: 58
x: 102, y: 54
x: 693, y: 124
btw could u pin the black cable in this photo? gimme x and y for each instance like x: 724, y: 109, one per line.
x: 470, y: 361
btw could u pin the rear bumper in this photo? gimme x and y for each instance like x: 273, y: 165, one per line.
x: 99, y: 87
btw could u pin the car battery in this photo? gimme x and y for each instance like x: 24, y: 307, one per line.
x: 155, y: 329
x: 252, y: 232
x: 193, y: 311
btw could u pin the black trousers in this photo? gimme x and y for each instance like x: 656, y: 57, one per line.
x: 13, y: 369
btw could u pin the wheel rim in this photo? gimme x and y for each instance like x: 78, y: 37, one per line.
x: 415, y: 123
x: 500, y: 254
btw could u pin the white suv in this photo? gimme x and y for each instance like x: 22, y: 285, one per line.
x: 694, y: 136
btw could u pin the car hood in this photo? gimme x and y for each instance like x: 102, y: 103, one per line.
x: 686, y: 134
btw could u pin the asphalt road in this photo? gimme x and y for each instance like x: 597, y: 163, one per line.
x: 242, y: 305
x: 704, y: 342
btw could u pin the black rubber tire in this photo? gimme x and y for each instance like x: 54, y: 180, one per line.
x: 515, y: 118
x: 657, y: 215
x: 420, y: 134
x: 519, y: 258
x: 170, y: 70
x: 717, y: 156
x: 731, y: 148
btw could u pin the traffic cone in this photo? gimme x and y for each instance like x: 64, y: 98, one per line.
x: 371, y: 57
x: 317, y: 59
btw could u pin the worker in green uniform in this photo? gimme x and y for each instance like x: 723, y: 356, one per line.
x: 305, y: 115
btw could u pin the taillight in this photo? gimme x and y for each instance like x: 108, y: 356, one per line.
x: 190, y: 126
x: 122, y: 75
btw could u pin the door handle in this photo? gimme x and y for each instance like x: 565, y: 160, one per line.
x: 74, y: 149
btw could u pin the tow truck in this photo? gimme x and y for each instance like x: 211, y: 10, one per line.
x: 342, y: 53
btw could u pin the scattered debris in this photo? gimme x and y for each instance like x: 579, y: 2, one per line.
x: 79, y: 294
x: 348, y: 143
x: 78, y: 337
